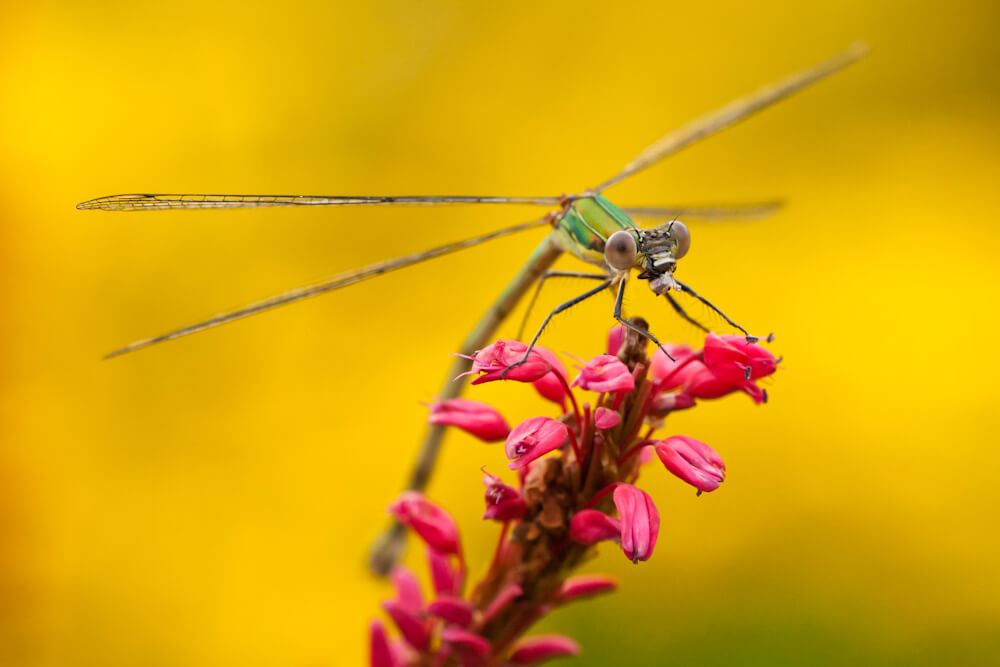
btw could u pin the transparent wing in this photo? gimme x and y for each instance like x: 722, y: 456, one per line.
x: 152, y: 202
x: 734, y: 112
x: 708, y: 213
x: 336, y: 282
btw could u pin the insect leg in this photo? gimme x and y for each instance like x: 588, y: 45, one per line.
x: 688, y: 290
x: 683, y: 313
x: 634, y: 327
x: 538, y: 290
x: 569, y: 304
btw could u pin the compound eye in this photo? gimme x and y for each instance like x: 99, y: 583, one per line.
x: 682, y: 237
x: 620, y: 250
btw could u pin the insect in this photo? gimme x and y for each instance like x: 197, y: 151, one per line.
x: 587, y: 225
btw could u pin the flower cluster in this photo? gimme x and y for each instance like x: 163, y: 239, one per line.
x: 576, y: 486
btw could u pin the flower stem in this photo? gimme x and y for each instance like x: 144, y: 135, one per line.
x: 572, y: 398
x: 576, y: 446
x: 632, y: 451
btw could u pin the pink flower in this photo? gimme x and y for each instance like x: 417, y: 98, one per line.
x: 605, y: 373
x: 503, y: 502
x: 430, y: 522
x: 585, y: 586
x: 668, y: 373
x: 530, y: 650
x: 591, y: 527
x: 734, y: 358
x: 640, y: 522
x: 471, y: 648
x: 533, y: 438
x: 407, y: 609
x: 453, y: 610
x: 636, y: 530
x: 727, y: 364
x: 704, y: 383
x: 553, y: 385
x: 478, y: 419
x: 694, y: 462
x: 411, y: 623
x: 605, y: 419
x: 380, y: 652
x: 493, y: 360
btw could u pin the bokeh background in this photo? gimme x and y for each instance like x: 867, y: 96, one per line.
x: 210, y: 502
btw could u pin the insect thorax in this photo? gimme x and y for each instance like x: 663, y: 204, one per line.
x: 586, y: 225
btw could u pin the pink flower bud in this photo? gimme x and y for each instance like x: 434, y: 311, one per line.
x: 380, y: 653
x: 585, y: 586
x: 591, y: 527
x: 553, y: 385
x: 605, y: 373
x: 471, y: 649
x: 616, y: 336
x: 694, y: 462
x: 530, y: 650
x: 492, y: 361
x: 474, y: 417
x: 503, y: 502
x: 411, y: 623
x: 605, y: 419
x: 430, y: 522
x: 532, y: 438
x: 640, y: 522
x: 445, y: 577
x: 732, y: 354
x: 453, y: 610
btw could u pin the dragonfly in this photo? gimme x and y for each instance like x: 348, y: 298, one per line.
x: 587, y: 225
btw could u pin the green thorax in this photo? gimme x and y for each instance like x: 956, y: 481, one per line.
x: 587, y: 224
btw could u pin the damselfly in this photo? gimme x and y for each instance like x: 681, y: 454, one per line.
x: 586, y: 225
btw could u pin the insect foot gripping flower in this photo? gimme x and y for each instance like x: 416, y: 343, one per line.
x: 473, y: 417
x: 578, y: 486
x: 727, y: 364
x: 502, y: 361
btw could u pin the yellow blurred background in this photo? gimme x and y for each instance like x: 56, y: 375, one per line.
x: 210, y: 502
